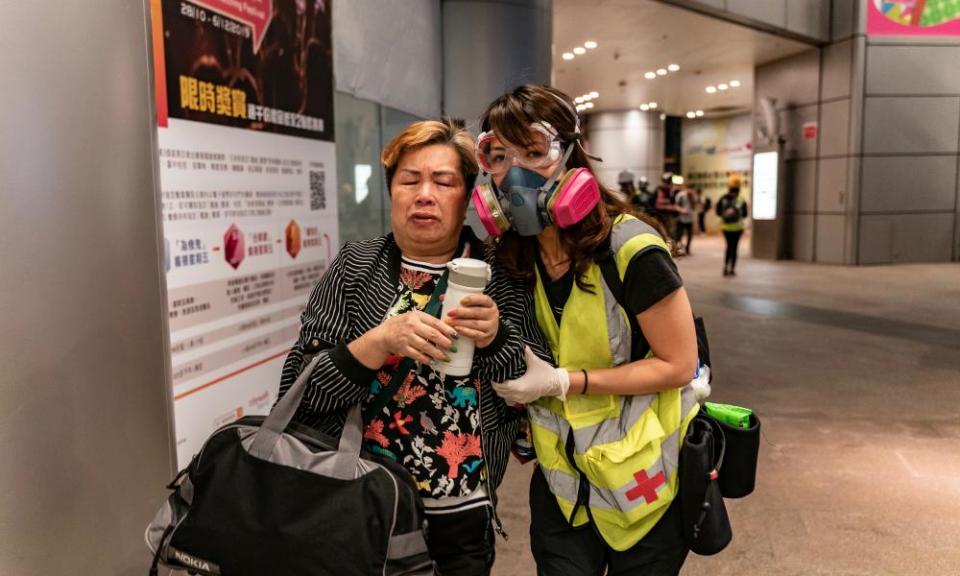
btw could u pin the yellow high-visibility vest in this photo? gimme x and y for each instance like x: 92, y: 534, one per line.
x: 627, y: 446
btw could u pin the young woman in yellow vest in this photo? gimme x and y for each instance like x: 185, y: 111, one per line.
x: 607, y: 429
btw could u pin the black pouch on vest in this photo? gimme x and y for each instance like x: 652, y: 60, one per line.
x: 706, y: 527
x: 742, y: 445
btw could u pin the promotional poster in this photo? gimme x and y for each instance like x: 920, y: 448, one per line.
x: 244, y: 92
x: 913, y: 18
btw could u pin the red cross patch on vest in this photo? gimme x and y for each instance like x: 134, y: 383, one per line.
x: 646, y: 487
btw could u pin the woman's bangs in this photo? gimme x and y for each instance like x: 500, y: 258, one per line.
x: 510, y: 123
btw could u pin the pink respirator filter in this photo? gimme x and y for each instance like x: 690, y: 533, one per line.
x: 577, y: 195
x: 485, y: 202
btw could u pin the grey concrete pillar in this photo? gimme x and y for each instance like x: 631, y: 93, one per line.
x: 627, y: 140
x: 85, y: 402
x: 491, y: 46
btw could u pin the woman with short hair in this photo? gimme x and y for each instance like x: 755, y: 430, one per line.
x: 374, y: 320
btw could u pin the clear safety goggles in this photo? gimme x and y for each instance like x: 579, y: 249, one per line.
x: 496, y: 156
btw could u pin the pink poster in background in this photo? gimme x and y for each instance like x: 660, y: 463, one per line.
x: 254, y: 13
x: 913, y: 18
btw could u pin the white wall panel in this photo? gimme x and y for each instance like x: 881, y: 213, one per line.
x: 907, y: 70
x: 832, y: 191
x: 835, y: 128
x: 801, y: 231
x: 837, y: 67
x: 773, y: 12
x: 809, y: 18
x: 909, y: 183
x: 911, y: 125
x: 913, y: 237
x: 802, y: 183
x: 830, y: 235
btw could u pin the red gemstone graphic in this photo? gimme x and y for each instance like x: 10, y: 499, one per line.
x: 233, y: 246
x: 293, y: 239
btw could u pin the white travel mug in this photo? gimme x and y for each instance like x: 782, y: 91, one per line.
x: 466, y: 276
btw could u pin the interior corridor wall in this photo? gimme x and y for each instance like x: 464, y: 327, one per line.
x: 879, y: 183
x: 909, y: 148
x: 84, y: 412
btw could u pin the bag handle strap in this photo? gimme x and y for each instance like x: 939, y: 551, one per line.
x: 267, y: 436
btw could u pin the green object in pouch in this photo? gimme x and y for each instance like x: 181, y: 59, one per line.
x: 734, y: 416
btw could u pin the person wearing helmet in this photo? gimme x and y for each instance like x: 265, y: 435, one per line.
x: 625, y: 181
x: 608, y: 420
x: 732, y: 210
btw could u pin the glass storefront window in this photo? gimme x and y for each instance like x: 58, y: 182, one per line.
x: 363, y: 128
x: 360, y: 189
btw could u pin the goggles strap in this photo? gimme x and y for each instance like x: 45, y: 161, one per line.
x: 588, y: 155
x: 561, y: 168
x: 576, y: 135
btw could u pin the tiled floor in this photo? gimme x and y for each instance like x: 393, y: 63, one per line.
x: 855, y: 373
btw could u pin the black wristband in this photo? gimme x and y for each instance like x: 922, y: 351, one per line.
x: 586, y: 381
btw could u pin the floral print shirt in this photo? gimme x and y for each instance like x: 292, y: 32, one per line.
x: 431, y: 424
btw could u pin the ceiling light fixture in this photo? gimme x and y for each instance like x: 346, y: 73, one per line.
x: 644, y: 107
x: 650, y: 75
x: 699, y: 113
x: 711, y: 89
x: 673, y: 67
x: 579, y: 50
x: 589, y: 44
x: 734, y: 83
x: 663, y: 117
x: 652, y: 105
x: 578, y: 99
x: 587, y: 98
x: 568, y: 56
x: 661, y: 71
x: 588, y: 105
x: 691, y: 114
x: 594, y: 94
x: 722, y: 87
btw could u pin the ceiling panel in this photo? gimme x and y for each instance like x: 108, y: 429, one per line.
x: 637, y: 36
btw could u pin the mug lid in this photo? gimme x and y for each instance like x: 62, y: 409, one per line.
x: 469, y: 272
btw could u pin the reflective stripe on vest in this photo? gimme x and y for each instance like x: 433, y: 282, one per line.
x: 628, y: 446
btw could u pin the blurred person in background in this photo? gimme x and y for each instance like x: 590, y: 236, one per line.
x: 704, y: 204
x: 686, y: 205
x: 732, y: 210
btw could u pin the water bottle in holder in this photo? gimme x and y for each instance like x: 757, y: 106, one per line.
x: 466, y: 276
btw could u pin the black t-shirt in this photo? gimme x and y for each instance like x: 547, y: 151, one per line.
x: 651, y: 276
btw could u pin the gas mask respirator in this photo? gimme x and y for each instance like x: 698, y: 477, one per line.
x: 525, y: 200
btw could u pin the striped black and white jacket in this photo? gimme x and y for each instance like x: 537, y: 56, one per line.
x: 353, y: 296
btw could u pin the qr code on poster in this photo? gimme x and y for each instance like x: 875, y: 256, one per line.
x: 318, y: 190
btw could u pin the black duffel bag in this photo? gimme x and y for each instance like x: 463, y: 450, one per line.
x: 264, y: 496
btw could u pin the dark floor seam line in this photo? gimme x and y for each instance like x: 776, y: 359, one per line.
x: 911, y: 331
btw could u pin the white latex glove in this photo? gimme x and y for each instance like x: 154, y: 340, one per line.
x: 541, y: 379
x: 701, y: 384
